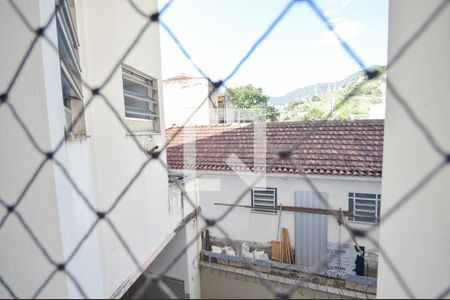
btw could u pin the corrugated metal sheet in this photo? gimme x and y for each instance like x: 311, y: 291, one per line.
x: 311, y: 230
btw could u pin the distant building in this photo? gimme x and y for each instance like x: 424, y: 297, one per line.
x: 343, y: 159
x: 184, y: 94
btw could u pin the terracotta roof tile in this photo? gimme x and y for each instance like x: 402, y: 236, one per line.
x: 339, y: 148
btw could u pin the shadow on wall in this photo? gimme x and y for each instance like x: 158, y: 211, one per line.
x: 142, y: 289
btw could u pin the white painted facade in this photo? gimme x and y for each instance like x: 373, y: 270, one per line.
x: 184, y: 95
x: 187, y: 241
x: 245, y: 225
x: 415, y: 237
x: 377, y: 111
x: 101, y: 163
x: 186, y: 268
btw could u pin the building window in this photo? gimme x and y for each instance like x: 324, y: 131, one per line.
x: 140, y: 96
x: 264, y: 199
x: 68, y: 47
x: 364, y: 207
x: 221, y: 108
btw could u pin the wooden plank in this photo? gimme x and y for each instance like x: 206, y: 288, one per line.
x: 286, y: 248
x: 323, y: 211
x: 286, y: 252
x: 275, y: 255
x: 280, y: 255
x: 291, y: 256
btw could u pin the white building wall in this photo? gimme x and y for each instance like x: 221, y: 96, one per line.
x: 231, y: 113
x: 142, y: 217
x: 38, y: 102
x: 185, y: 203
x: 193, y: 238
x: 101, y: 164
x: 183, y: 97
x: 377, y: 111
x: 167, y: 256
x: 76, y: 219
x: 415, y: 237
x: 186, y: 268
x: 243, y: 224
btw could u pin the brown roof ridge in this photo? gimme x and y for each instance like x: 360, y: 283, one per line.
x: 285, y: 123
x: 234, y: 125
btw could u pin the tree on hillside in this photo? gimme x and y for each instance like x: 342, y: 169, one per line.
x: 314, y: 113
x: 316, y: 98
x: 251, y: 97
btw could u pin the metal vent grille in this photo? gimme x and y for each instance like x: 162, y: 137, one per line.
x: 365, y: 207
x: 264, y: 199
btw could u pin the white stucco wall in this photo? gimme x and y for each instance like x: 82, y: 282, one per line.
x: 189, y: 238
x: 186, y: 268
x: 142, y: 217
x: 416, y: 236
x: 101, y: 164
x: 193, y: 255
x: 242, y: 224
x: 76, y: 219
x: 33, y: 96
x: 182, y: 98
x: 168, y: 255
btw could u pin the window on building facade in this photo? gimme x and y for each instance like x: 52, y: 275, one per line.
x: 264, y: 199
x: 140, y: 96
x: 364, y: 207
x: 68, y: 47
x: 221, y: 108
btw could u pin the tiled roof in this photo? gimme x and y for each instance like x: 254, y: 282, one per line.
x: 340, y: 148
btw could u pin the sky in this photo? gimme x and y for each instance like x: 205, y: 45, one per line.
x: 300, y: 51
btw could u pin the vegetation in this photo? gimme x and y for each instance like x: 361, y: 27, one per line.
x: 351, y: 101
x: 252, y: 98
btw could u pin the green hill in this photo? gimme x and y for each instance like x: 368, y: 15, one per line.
x: 318, y: 89
x: 352, y: 99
